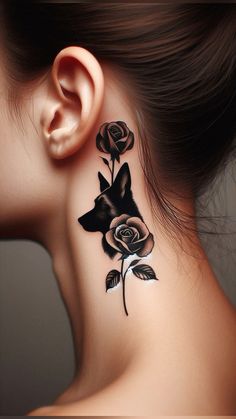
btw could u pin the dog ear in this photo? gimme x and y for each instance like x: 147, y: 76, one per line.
x: 104, y: 184
x: 122, y: 181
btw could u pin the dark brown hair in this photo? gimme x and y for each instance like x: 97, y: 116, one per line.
x: 180, y: 61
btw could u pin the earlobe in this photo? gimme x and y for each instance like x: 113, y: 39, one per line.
x: 73, y: 102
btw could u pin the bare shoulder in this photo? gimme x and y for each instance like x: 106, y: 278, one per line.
x: 98, y: 404
x: 41, y: 411
x: 115, y: 399
x: 144, y: 396
x: 122, y: 397
x: 192, y: 382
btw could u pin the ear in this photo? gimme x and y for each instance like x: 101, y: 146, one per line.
x: 73, y: 101
x: 104, y: 184
x: 122, y: 181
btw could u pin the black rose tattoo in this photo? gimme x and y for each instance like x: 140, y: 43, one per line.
x: 130, y: 235
x: 115, y: 213
x: 114, y: 138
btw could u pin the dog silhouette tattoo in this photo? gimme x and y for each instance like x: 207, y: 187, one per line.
x: 115, y: 213
x: 113, y: 201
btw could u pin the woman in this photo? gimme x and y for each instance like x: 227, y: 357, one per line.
x: 114, y: 119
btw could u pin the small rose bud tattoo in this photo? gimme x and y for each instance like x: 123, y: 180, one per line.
x: 115, y: 213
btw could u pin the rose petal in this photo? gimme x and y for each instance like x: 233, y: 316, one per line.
x: 116, y: 131
x: 118, y: 228
x: 126, y: 238
x: 119, y: 220
x: 121, y: 140
x: 134, y: 247
x: 130, y: 141
x: 110, y: 124
x: 122, y: 244
x: 123, y: 126
x: 112, y: 144
x: 111, y: 240
x: 103, y: 129
x: 140, y: 225
x: 100, y: 143
x: 147, y: 247
x: 136, y: 234
x: 121, y: 144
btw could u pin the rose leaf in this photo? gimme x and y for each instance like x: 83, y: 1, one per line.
x: 105, y: 160
x: 112, y: 279
x: 144, y: 272
x: 134, y: 262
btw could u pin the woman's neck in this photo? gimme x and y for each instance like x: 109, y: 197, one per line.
x: 119, y: 321
x: 115, y: 327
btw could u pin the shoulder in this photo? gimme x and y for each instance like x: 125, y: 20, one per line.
x: 115, y: 399
x: 160, y: 391
x: 198, y: 379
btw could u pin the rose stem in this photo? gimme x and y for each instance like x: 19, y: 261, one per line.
x: 112, y: 173
x: 123, y: 278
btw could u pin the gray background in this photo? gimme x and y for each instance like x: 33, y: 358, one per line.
x: 36, y: 352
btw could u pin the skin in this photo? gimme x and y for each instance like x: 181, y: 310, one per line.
x: 175, y: 352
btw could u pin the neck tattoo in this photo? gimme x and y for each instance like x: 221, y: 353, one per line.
x: 115, y: 213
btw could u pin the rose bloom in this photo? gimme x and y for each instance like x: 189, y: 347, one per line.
x: 130, y: 235
x: 114, y: 138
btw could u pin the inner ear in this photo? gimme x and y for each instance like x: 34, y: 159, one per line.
x: 123, y: 180
x: 104, y: 184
